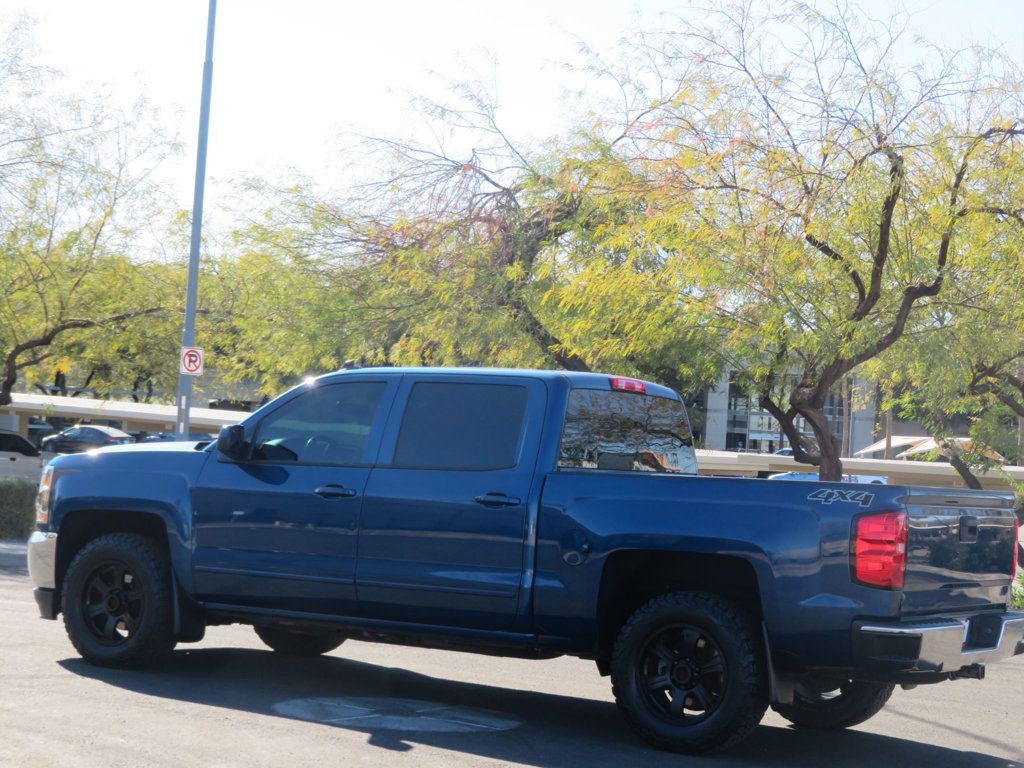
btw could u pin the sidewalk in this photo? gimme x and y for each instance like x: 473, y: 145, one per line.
x: 13, y: 555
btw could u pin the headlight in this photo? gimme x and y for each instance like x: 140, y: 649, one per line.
x: 43, y: 497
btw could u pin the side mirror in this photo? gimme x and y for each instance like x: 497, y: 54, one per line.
x: 231, y: 442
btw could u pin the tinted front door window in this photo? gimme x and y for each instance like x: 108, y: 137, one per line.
x: 16, y: 444
x: 328, y: 425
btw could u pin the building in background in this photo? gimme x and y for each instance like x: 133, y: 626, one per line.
x: 732, y: 420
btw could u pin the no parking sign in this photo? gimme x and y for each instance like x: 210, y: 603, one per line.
x: 191, y: 361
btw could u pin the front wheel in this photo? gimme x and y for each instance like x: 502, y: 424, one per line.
x: 298, y: 642
x: 118, y: 602
x: 688, y: 673
x: 834, y: 703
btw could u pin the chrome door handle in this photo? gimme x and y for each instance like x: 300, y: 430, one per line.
x: 335, y: 492
x: 497, y: 500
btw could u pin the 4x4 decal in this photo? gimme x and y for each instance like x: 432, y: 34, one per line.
x: 828, y: 495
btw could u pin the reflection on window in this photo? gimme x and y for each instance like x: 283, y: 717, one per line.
x: 327, y: 425
x: 626, y: 431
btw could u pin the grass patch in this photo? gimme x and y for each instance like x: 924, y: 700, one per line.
x: 17, y: 507
x: 1017, y: 598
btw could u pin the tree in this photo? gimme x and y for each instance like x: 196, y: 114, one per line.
x: 75, y: 194
x: 817, y: 191
x: 962, y: 367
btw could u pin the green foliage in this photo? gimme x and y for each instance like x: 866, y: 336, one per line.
x: 76, y: 198
x: 778, y: 194
x: 17, y: 507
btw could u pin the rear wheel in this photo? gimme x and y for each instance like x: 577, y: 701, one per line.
x: 296, y: 642
x: 688, y: 673
x: 117, y: 600
x: 834, y: 703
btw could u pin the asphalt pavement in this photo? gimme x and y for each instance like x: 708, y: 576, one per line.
x: 228, y: 702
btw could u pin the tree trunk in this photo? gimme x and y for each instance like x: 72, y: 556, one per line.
x: 969, y: 478
x: 808, y: 405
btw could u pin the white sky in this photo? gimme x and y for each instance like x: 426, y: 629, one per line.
x: 290, y: 76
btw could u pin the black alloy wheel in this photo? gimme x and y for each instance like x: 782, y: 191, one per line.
x: 689, y: 674
x: 112, y: 603
x: 682, y: 674
x: 118, y: 600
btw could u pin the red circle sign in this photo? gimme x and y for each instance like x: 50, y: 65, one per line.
x: 192, y: 361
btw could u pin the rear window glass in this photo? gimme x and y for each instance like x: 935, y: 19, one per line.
x: 461, y: 426
x: 626, y: 431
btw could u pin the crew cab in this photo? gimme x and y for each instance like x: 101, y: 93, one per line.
x: 533, y: 514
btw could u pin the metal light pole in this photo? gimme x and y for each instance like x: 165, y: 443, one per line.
x: 188, y: 336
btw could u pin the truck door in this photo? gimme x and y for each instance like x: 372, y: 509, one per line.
x: 278, y: 530
x: 444, y: 518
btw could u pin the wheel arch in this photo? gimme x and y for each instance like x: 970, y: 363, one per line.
x: 80, y: 526
x: 631, y: 578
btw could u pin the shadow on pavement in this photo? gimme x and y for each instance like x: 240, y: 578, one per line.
x: 516, y: 726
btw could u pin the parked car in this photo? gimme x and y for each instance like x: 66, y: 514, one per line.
x: 85, y: 437
x: 19, y: 458
x: 812, y: 477
x: 808, y: 477
x: 531, y: 514
x: 170, y: 437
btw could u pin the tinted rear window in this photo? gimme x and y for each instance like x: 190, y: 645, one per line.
x: 461, y: 426
x: 626, y: 431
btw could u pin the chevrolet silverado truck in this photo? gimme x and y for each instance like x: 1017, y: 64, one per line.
x: 531, y: 514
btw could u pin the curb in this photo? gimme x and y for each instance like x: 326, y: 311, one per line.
x: 13, y: 555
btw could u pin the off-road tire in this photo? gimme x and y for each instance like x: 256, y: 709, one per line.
x: 742, y: 695
x: 296, y: 642
x: 857, y: 701
x: 143, y: 590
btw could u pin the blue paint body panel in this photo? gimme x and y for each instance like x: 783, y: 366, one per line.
x: 414, y: 548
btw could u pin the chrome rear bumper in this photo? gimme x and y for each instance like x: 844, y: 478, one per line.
x: 946, y: 645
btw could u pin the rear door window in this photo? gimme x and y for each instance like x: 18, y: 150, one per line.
x: 462, y: 426
x: 626, y: 431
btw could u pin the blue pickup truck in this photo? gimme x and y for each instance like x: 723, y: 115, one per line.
x: 532, y: 514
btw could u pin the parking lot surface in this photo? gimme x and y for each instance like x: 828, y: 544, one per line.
x: 228, y: 701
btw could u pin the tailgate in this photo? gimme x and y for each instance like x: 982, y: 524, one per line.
x: 960, y: 547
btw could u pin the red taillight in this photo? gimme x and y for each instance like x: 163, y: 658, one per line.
x: 628, y: 385
x: 879, y: 549
x: 112, y: 440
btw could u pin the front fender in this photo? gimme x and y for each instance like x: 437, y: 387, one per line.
x: 161, y: 494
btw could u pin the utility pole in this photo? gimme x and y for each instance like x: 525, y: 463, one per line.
x: 188, y: 335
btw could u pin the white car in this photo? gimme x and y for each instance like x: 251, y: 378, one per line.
x: 19, y: 458
x: 812, y: 477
